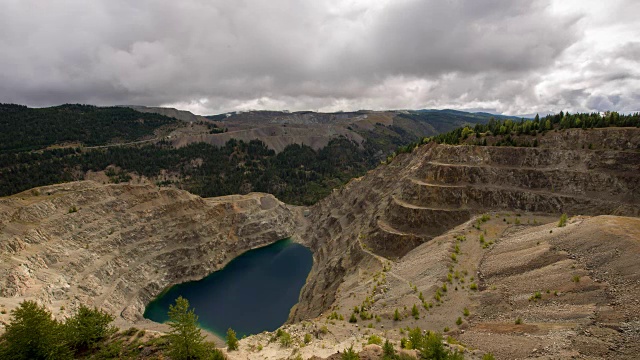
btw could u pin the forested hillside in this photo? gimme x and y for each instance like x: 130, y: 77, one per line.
x: 23, y: 128
x: 298, y: 175
x: 57, y: 144
x: 508, y: 128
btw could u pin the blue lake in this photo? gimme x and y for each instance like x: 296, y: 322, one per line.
x: 253, y: 293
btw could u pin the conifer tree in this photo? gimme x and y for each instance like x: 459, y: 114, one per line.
x: 232, y: 340
x: 33, y: 334
x: 186, y: 342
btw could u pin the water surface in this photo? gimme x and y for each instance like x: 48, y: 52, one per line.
x: 253, y: 293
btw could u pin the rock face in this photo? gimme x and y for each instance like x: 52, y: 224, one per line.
x: 125, y: 243
x: 398, y: 206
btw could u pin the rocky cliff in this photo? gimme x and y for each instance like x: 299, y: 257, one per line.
x: 418, y: 196
x: 118, y: 246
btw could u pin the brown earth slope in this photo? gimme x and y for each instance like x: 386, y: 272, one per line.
x: 125, y: 243
x: 398, y: 206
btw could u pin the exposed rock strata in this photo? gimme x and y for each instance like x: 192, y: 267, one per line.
x: 395, y: 207
x: 125, y: 243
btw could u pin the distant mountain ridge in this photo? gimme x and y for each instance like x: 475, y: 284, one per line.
x: 299, y: 157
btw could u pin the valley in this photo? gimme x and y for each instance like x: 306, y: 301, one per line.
x: 463, y: 239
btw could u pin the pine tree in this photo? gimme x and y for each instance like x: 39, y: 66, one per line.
x: 33, y: 334
x: 232, y: 340
x: 388, y: 351
x: 87, y: 327
x: 186, y: 342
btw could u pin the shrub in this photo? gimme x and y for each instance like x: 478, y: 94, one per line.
x: 285, y: 339
x: 87, y: 327
x: 415, y: 338
x: 575, y: 279
x: 563, y: 220
x: 432, y: 347
x: 350, y: 354
x: 396, y: 315
x: 307, y: 338
x: 388, y: 352
x: 333, y: 316
x: 33, y: 334
x: 488, y: 356
x: 473, y: 286
x: 232, y: 340
x: 415, y: 312
x: 537, y: 295
x: 518, y: 321
x: 465, y: 312
x: 353, y: 318
x: 459, y: 321
x: 374, y: 339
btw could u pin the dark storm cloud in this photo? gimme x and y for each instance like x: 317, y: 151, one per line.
x: 212, y: 56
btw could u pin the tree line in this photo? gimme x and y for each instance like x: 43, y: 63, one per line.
x: 537, y: 125
x: 34, y: 334
x: 26, y: 129
x: 298, y: 175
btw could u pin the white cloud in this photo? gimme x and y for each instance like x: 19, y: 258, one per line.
x: 214, y: 56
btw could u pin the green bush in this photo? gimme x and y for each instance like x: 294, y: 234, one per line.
x: 285, y: 339
x: 87, y: 327
x: 415, y: 338
x: 563, y: 220
x: 350, y: 354
x: 232, y: 340
x: 388, y: 352
x: 415, y: 312
x: 353, y: 318
x: 33, y: 334
x: 374, y: 339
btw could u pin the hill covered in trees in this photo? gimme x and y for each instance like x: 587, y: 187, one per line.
x: 299, y: 174
x: 508, y: 127
x: 24, y: 129
x: 58, y: 144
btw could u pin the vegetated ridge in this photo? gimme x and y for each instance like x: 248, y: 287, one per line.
x: 205, y: 157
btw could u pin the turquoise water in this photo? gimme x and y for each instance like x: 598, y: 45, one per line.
x: 253, y: 293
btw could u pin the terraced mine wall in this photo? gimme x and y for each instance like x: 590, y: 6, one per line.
x: 118, y: 246
x: 420, y: 195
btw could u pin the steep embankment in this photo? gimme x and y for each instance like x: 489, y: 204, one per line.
x: 398, y: 206
x: 125, y: 243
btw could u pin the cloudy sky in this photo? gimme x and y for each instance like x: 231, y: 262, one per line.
x: 213, y: 56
